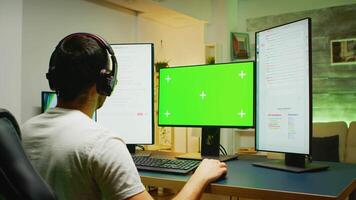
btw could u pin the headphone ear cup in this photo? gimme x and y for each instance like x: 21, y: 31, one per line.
x: 51, y: 81
x: 50, y: 75
x: 104, y: 85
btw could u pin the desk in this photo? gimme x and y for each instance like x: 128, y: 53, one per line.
x: 245, y: 180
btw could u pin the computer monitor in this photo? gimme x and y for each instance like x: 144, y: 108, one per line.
x: 129, y: 110
x: 284, y: 92
x: 209, y: 96
x: 49, y: 100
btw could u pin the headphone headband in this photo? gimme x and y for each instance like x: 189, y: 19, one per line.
x: 107, y: 78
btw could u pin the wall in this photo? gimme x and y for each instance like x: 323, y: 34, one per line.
x: 334, y: 87
x: 221, y: 18
x: 248, y: 9
x: 258, y: 8
x: 178, y: 45
x: 46, y: 22
x: 199, y: 9
x: 10, y: 56
x: 222, y: 22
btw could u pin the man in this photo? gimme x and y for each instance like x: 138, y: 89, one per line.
x: 76, y: 156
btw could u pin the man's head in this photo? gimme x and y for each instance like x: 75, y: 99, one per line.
x: 79, y: 62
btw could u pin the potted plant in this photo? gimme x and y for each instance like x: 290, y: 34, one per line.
x: 161, y: 64
x: 210, y: 60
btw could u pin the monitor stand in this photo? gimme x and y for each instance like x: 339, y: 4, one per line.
x: 133, y: 152
x: 293, y: 163
x: 209, y: 147
x: 131, y: 148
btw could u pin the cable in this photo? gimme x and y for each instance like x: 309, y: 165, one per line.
x: 309, y: 158
x: 221, y: 151
x: 221, y: 147
x: 142, y: 147
x: 225, y: 152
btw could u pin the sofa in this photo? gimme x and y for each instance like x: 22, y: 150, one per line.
x: 347, y: 137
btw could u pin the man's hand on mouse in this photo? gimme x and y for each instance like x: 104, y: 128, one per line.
x: 210, y: 170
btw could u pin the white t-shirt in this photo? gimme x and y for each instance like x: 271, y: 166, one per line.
x: 78, y: 158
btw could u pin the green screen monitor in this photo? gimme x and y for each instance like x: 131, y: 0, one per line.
x: 216, y: 95
x: 208, y: 96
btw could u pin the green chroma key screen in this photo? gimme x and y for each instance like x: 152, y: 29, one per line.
x: 207, y: 95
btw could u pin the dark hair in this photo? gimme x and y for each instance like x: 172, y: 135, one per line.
x: 78, y: 61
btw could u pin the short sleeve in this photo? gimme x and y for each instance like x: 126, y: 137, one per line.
x: 113, y: 170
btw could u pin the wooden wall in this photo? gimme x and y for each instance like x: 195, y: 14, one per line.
x: 334, y: 87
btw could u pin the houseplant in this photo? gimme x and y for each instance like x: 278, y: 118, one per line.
x: 161, y: 64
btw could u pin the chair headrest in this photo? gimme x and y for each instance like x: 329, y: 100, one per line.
x: 6, y: 114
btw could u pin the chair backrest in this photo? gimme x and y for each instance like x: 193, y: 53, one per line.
x: 18, y: 178
x: 351, y: 144
x: 325, y: 129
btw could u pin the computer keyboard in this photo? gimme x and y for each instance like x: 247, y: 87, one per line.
x: 165, y: 165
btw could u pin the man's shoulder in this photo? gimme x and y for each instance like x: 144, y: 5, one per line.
x: 68, y: 130
x: 33, y: 119
x: 33, y: 124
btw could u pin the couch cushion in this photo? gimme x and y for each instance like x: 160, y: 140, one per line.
x: 325, y: 129
x: 325, y: 148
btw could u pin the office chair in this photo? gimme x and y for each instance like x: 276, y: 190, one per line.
x: 18, y: 178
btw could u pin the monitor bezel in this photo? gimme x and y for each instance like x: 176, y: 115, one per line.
x: 310, y: 85
x: 220, y: 126
x: 152, y: 87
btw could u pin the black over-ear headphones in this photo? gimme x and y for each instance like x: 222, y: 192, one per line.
x: 108, y: 76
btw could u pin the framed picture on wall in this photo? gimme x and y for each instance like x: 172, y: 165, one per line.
x: 343, y: 52
x: 240, y: 46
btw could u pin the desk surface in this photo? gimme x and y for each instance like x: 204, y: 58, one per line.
x: 245, y: 180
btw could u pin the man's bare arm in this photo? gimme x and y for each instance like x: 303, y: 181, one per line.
x: 208, y: 171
